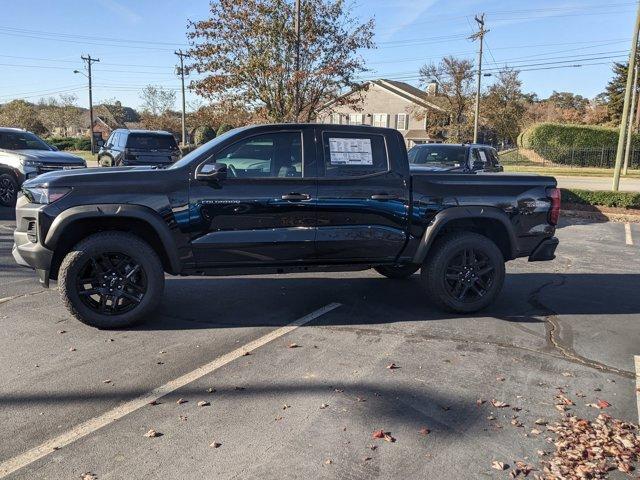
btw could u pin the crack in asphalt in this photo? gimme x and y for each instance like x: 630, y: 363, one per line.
x: 21, y: 295
x: 552, y: 323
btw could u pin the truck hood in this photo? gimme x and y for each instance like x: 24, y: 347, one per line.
x: 69, y: 178
x: 50, y: 156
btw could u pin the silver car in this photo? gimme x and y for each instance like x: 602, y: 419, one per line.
x: 24, y: 155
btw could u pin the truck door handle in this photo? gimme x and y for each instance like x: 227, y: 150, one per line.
x: 384, y: 196
x: 295, y: 197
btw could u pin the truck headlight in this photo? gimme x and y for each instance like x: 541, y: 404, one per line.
x: 45, y: 194
x: 29, y: 162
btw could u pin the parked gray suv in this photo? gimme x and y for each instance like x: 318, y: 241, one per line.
x: 24, y: 155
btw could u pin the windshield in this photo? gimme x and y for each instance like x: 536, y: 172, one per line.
x: 141, y: 141
x: 439, y: 154
x: 21, y: 141
x: 198, y: 151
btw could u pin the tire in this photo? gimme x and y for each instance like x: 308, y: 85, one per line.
x: 105, y: 161
x: 445, y: 276
x: 397, y: 272
x: 8, y: 190
x: 132, y: 276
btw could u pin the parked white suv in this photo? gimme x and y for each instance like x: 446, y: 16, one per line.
x: 24, y: 155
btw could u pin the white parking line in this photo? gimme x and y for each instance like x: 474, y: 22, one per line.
x: 627, y: 234
x: 636, y: 359
x: 9, y: 466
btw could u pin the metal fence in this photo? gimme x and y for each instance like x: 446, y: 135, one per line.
x: 598, y: 157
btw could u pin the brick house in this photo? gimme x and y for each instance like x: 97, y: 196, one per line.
x: 388, y: 103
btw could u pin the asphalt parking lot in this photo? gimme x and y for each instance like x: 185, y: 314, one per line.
x: 294, y: 372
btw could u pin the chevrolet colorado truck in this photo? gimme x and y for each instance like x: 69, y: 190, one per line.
x: 279, y: 199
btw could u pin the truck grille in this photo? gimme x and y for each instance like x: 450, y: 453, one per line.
x: 32, y: 231
x: 50, y: 167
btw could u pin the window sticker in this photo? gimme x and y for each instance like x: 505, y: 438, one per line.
x: 350, y: 151
x: 483, y: 156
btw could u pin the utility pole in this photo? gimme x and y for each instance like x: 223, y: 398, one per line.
x: 627, y: 101
x: 296, y: 94
x: 181, y: 54
x: 478, y: 35
x: 627, y: 151
x: 88, y: 60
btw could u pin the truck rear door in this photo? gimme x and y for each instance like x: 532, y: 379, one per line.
x: 363, y: 195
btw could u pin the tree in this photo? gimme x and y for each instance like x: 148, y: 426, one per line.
x: 112, y: 112
x: 615, y: 90
x: 60, y: 113
x: 455, y: 84
x: 157, y: 100
x: 569, y: 101
x: 247, y: 51
x: 21, y: 114
x: 503, y: 106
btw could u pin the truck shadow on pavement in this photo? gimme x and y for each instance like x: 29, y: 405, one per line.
x: 392, y: 407
x: 229, y: 302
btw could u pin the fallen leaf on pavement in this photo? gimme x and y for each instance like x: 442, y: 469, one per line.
x: 535, y: 431
x: 106, y: 381
x: 181, y: 400
x: 216, y: 445
x: 392, y: 366
x: 202, y: 403
x: 386, y: 436
x: 366, y: 459
x: 567, y: 374
x: 245, y: 354
x: 62, y: 331
x: 211, y: 390
x: 424, y: 431
x: 499, y: 465
x: 285, y: 406
x: 72, y: 349
x: 540, y: 421
x: 152, y: 434
x: 154, y: 402
x: 89, y: 476
x: 480, y: 401
x: 498, y: 403
x: 360, y: 399
x: 500, y: 379
x: 293, y: 345
x: 328, y: 461
x: 373, y: 447
x: 324, y: 405
x: 603, y: 404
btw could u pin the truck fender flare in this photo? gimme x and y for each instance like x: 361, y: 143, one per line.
x: 453, y: 213
x: 139, y: 212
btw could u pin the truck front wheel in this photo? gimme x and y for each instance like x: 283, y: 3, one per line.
x: 111, y: 280
x: 464, y: 272
x: 404, y: 271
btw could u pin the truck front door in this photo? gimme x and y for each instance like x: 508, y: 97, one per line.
x: 363, y: 199
x: 263, y: 213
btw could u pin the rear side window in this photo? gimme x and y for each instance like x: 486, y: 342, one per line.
x: 151, y: 142
x: 353, y: 154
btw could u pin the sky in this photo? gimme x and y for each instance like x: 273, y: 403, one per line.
x: 41, y: 43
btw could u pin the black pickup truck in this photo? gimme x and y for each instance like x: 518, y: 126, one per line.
x: 279, y: 199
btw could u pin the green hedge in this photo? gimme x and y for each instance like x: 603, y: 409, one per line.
x: 601, y: 198
x: 203, y: 134
x: 70, y: 143
x: 579, y: 145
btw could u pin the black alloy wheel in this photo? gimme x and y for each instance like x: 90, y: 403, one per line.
x: 8, y: 190
x: 469, y: 275
x: 111, y: 283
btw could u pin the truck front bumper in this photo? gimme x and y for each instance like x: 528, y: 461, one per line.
x: 545, y: 251
x: 27, y: 248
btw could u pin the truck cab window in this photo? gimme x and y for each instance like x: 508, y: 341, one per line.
x: 353, y: 154
x: 264, y: 156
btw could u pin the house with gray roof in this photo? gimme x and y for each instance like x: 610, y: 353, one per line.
x: 414, y: 112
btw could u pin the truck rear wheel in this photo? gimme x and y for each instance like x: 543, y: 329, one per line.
x: 111, y: 280
x: 464, y: 272
x: 397, y: 272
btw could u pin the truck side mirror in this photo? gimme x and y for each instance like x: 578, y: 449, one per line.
x: 212, y: 172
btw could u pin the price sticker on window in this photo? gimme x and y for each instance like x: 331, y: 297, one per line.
x: 350, y: 151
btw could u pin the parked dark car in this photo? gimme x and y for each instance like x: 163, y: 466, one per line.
x: 138, y: 147
x: 279, y: 199
x: 23, y: 155
x: 450, y: 157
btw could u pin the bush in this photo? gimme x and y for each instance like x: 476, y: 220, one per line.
x: 225, y: 127
x: 62, y: 143
x: 203, y: 134
x: 187, y: 149
x: 601, y: 198
x: 580, y: 145
x: 70, y: 143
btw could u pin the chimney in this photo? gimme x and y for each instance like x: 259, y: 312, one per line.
x: 432, y: 89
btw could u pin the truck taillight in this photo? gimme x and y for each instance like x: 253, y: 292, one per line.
x: 554, y: 212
